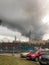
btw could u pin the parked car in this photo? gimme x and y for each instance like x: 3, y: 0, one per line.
x: 35, y: 55
x: 44, y: 59
x: 23, y: 55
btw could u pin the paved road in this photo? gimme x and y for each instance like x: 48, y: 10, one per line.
x: 11, y: 54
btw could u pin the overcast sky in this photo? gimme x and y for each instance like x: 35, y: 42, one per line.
x: 21, y: 16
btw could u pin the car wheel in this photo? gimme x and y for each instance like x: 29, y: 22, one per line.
x: 27, y: 58
x: 21, y: 56
x: 36, y: 59
x: 41, y: 63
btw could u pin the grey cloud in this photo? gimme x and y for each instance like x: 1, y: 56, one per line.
x: 24, y: 15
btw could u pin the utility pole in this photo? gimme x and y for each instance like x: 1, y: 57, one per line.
x: 14, y: 45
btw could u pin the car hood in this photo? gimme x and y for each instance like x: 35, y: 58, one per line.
x: 45, y: 56
x: 24, y: 53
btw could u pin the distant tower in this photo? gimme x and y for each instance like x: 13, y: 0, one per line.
x: 15, y: 38
x: 30, y: 36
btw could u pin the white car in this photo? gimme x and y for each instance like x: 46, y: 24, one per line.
x: 23, y: 55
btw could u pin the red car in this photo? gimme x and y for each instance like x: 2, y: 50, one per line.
x: 35, y: 55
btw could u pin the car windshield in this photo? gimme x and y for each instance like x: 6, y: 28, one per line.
x: 47, y: 53
x: 33, y: 51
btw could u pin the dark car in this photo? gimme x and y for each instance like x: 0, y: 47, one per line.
x: 44, y: 59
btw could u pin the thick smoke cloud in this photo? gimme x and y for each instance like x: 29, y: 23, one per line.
x: 25, y: 16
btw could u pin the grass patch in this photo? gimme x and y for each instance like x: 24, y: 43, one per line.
x: 10, y: 60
